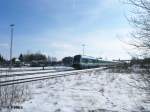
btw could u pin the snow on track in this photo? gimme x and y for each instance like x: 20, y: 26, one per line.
x: 23, y: 72
x: 30, y: 72
x: 40, y: 76
x: 24, y: 69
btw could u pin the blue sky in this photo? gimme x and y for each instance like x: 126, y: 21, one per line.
x: 60, y: 27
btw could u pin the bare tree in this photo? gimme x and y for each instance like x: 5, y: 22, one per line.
x: 140, y: 20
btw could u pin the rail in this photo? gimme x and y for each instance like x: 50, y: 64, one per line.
x: 25, y: 74
x: 50, y: 76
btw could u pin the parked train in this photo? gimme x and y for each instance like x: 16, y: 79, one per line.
x: 84, y: 62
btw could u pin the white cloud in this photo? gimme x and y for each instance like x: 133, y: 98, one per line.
x: 104, y: 43
x: 61, y: 45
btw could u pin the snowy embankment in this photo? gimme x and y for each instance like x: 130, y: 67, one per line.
x: 86, y: 92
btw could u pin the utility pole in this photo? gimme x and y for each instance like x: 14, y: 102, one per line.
x: 83, y: 45
x: 11, y: 43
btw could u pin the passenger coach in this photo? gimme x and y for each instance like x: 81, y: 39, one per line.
x: 84, y: 62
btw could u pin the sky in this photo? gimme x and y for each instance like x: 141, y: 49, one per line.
x: 60, y: 27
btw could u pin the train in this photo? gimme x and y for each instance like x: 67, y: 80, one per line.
x: 86, y: 62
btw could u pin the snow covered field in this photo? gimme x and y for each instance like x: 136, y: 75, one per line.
x: 98, y: 91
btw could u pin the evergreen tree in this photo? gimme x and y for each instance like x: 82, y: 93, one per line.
x: 21, y: 58
x: 2, y: 60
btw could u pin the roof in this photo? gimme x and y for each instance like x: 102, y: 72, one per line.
x: 90, y: 57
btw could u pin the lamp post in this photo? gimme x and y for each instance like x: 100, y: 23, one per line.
x: 11, y: 43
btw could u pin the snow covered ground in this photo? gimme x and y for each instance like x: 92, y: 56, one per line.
x: 98, y: 91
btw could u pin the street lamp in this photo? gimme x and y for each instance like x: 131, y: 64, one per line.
x: 11, y: 43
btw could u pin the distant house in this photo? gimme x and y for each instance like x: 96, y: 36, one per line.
x: 67, y: 61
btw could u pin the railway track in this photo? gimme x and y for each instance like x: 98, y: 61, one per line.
x: 32, y: 69
x: 25, y: 74
x: 46, y: 76
x: 22, y: 70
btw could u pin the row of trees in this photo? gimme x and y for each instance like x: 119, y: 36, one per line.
x: 36, y: 59
x: 32, y: 59
x: 2, y: 60
x: 143, y: 63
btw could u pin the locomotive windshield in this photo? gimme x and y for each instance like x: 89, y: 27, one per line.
x: 77, y: 59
